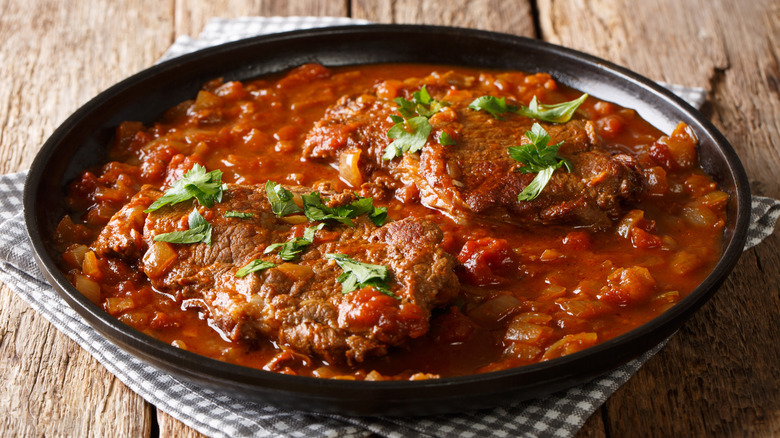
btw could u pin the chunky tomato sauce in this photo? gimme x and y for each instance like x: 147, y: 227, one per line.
x: 528, y: 293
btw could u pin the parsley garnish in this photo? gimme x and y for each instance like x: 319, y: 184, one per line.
x: 409, y: 141
x: 293, y: 247
x: 557, y: 113
x: 254, y: 266
x: 359, y: 275
x: 281, y: 199
x: 410, y: 132
x: 446, y: 140
x: 316, y: 210
x: 538, y: 158
x: 200, y: 231
x: 378, y: 216
x: 204, y: 186
x: 494, y: 105
x: 238, y: 214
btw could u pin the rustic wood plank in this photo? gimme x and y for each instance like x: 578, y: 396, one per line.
x: 496, y: 15
x: 54, y: 58
x: 51, y: 387
x: 76, y: 52
x: 719, y: 375
x: 746, y: 95
x: 171, y: 427
x: 192, y: 15
x: 594, y: 427
x: 660, y: 40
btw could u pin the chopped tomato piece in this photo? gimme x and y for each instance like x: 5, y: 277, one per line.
x: 628, y: 285
x: 485, y: 260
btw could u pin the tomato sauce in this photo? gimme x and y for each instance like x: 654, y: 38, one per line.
x: 528, y: 293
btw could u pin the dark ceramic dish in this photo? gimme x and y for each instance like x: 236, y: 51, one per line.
x: 80, y: 143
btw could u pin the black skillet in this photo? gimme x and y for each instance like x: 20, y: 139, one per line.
x: 80, y: 142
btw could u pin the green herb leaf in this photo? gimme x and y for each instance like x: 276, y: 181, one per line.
x: 238, y: 214
x: 358, y: 207
x: 310, y: 232
x: 421, y: 97
x: 557, y: 113
x: 359, y: 275
x: 315, y: 210
x: 405, y: 107
x: 493, y: 105
x: 206, y: 187
x: 446, y: 140
x: 293, y: 247
x: 537, y: 157
x: 378, y: 216
x: 200, y: 231
x: 404, y: 140
x: 410, y: 132
x: 254, y: 266
x: 281, y: 199
x: 534, y: 189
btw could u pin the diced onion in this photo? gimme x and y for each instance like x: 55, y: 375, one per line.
x: 74, y: 255
x: 549, y: 255
x: 522, y: 351
x: 348, y: 168
x: 629, y: 221
x: 528, y: 333
x: 296, y: 271
x: 294, y: 219
x: 158, y: 259
x: 684, y: 262
x: 493, y: 310
x: 90, y: 266
x: 115, y: 306
x: 207, y: 100
x: 682, y: 146
x: 700, y: 216
x: 715, y: 200
x: 88, y: 287
x: 570, y: 344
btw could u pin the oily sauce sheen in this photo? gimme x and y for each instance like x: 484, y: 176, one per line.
x: 529, y: 292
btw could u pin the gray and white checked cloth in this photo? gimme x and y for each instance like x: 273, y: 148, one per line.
x: 218, y: 415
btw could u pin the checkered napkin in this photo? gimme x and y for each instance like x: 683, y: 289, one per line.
x: 219, y: 415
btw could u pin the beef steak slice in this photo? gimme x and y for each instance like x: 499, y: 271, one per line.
x: 297, y: 304
x: 477, y: 177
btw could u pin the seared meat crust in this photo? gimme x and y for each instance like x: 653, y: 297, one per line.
x: 477, y: 177
x: 297, y: 304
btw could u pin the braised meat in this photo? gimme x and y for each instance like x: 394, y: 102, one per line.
x: 476, y: 176
x: 299, y: 304
x: 123, y: 235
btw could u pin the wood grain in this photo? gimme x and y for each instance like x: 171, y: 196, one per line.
x: 171, y: 427
x: 663, y: 40
x: 719, y: 375
x: 511, y: 17
x: 54, y: 58
x: 51, y: 387
x: 192, y: 15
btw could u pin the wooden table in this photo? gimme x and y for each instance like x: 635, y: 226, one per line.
x: 720, y: 376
